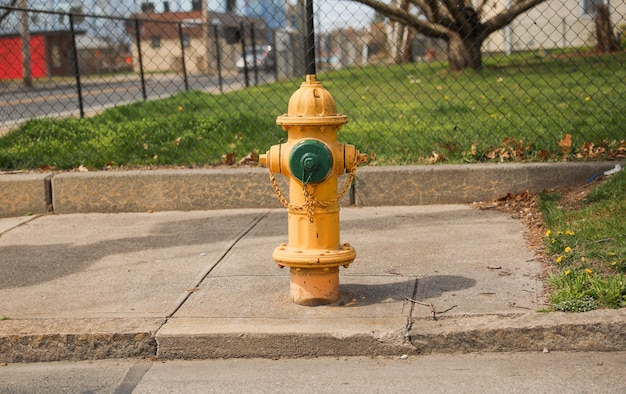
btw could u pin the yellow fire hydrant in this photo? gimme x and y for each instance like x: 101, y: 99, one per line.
x: 313, y: 159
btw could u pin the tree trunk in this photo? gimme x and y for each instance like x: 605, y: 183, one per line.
x: 604, y: 30
x: 408, y: 46
x: 398, y: 39
x: 464, y: 52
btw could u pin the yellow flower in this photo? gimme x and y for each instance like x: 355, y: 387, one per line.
x: 568, y: 249
x: 613, y: 263
x: 181, y: 108
x: 548, y: 233
x: 559, y: 259
x: 566, y: 272
x: 587, y: 270
x: 569, y: 232
x: 587, y: 98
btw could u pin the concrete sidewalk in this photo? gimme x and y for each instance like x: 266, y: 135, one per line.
x: 202, y: 284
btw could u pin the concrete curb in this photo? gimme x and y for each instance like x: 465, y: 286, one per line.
x: 25, y: 194
x: 600, y: 330
x: 202, y: 189
x: 46, y: 340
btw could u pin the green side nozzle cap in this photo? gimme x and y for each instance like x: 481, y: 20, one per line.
x: 310, y: 161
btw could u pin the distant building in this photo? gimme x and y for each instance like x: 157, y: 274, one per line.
x: 51, y: 54
x: 553, y: 24
x: 162, y: 44
x: 100, y: 42
x: 98, y: 27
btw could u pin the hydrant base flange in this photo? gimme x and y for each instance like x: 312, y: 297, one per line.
x: 314, y: 258
x: 313, y: 287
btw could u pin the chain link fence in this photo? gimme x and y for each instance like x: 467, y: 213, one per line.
x: 121, y: 83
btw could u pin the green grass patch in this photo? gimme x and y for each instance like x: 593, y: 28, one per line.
x: 517, y: 108
x: 588, y: 247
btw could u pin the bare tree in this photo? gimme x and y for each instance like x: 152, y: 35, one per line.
x: 460, y: 23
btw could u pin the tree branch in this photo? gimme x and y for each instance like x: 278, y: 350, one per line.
x: 505, y: 17
x: 397, y: 14
x: 441, y: 15
x: 480, y: 8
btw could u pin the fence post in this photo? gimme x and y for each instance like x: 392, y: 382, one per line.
x: 218, y: 56
x: 79, y: 90
x: 242, y: 40
x: 140, y: 59
x: 310, y: 39
x: 182, y: 55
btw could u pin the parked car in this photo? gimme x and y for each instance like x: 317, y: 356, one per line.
x: 262, y: 56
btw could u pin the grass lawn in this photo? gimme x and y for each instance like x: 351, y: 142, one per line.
x: 586, y: 240
x: 516, y: 108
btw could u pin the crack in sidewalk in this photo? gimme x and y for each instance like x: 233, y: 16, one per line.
x: 409, y: 320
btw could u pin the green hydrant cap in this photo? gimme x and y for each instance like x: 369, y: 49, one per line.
x: 310, y: 161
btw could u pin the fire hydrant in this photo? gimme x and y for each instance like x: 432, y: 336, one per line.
x: 313, y: 159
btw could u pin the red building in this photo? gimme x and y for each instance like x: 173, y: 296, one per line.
x: 51, y: 55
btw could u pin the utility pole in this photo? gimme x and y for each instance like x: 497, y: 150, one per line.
x: 26, y: 52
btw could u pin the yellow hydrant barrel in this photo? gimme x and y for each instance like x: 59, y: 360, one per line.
x: 313, y: 159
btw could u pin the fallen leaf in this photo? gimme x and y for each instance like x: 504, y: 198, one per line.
x: 229, y: 159
x: 566, y: 143
x: 435, y: 158
x: 251, y: 157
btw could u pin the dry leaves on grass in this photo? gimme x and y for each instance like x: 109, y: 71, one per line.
x: 525, y: 207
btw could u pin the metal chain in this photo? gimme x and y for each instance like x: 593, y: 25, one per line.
x: 277, y: 191
x: 309, y: 202
x: 309, y: 199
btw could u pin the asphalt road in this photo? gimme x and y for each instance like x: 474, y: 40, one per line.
x: 536, y: 372
x: 61, y: 99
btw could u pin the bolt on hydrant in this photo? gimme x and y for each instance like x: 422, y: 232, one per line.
x: 313, y: 159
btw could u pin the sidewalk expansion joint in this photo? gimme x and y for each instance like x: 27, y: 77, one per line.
x: 30, y: 219
x: 255, y: 221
